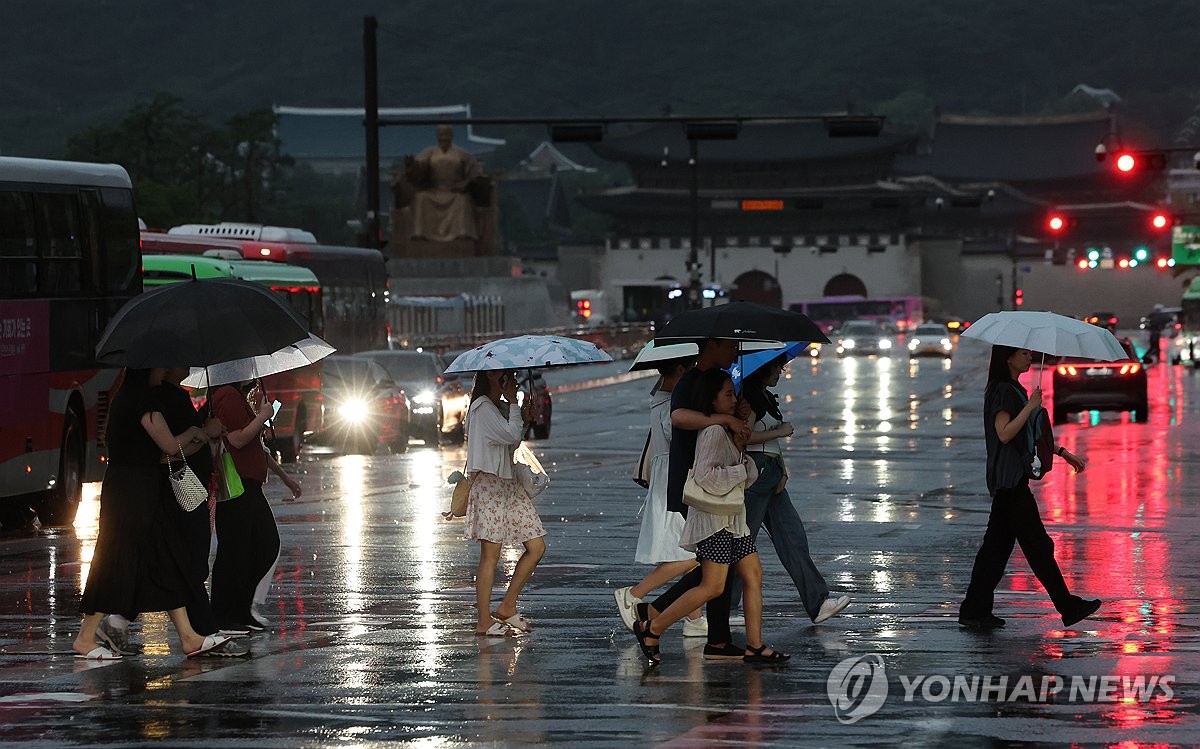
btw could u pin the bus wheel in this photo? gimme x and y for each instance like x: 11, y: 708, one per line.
x: 59, y: 505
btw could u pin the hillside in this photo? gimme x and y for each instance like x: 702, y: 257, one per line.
x: 73, y: 63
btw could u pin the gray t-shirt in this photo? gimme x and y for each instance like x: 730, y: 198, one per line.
x: 1005, y: 462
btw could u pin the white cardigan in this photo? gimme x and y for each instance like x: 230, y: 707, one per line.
x: 492, y: 438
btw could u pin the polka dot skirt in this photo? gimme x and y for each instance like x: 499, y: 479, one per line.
x: 723, y: 548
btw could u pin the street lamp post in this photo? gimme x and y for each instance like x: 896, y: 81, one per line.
x: 693, y: 266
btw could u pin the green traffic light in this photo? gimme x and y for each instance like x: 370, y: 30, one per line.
x: 1141, y: 254
x: 1093, y: 254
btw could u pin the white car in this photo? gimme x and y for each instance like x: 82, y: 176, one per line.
x: 930, y: 339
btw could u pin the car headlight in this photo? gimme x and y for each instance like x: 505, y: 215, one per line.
x: 885, y: 343
x: 354, y: 410
x: 946, y: 343
x: 913, y: 343
x: 424, y: 398
x: 847, y: 343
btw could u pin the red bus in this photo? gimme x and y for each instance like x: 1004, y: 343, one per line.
x: 905, y: 312
x: 68, y: 261
x: 353, y: 280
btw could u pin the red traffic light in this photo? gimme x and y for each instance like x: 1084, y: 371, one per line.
x: 1018, y: 297
x: 1126, y: 163
x: 1160, y: 221
x: 1056, y: 223
x: 1161, y: 262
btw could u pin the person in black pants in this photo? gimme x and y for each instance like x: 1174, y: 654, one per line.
x: 686, y: 424
x: 247, y: 537
x: 1014, y: 517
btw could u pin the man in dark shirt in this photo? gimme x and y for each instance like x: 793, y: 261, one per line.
x: 686, y: 424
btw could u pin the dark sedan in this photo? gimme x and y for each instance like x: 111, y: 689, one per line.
x: 364, y: 408
x: 1085, y: 385
x: 439, y: 403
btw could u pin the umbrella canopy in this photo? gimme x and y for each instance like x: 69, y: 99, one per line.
x: 198, y: 323
x: 654, y: 354
x: 742, y: 321
x: 1046, y: 333
x: 527, y: 352
x: 294, y: 356
x: 748, y: 364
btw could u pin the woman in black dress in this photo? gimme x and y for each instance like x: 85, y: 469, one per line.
x: 141, y: 561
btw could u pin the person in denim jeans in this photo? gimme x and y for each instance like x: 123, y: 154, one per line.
x: 768, y: 503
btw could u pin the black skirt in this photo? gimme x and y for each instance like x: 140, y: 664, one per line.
x: 140, y: 561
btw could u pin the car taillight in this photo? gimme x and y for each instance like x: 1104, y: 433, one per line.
x: 1067, y: 369
x: 1128, y: 369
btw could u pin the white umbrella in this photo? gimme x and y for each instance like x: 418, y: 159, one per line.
x: 295, y: 356
x: 528, y: 352
x: 652, y: 355
x: 1046, y: 333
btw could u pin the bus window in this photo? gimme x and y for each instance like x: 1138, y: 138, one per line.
x: 18, y: 245
x: 120, y: 235
x: 59, y: 242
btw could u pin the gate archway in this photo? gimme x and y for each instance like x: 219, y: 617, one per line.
x: 757, y: 286
x: 845, y: 284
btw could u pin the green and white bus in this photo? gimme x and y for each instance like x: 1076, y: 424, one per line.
x: 299, y: 391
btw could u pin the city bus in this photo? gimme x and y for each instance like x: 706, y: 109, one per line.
x: 68, y: 262
x: 299, y: 390
x: 905, y: 312
x: 353, y: 280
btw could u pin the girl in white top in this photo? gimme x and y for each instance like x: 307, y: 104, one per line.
x: 720, y: 541
x: 499, y: 511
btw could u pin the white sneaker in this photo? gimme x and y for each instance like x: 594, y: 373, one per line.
x: 625, y: 605
x: 831, y: 607
x: 737, y: 621
x: 697, y: 627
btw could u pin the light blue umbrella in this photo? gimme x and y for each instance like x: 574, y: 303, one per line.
x: 528, y: 352
x: 747, y: 364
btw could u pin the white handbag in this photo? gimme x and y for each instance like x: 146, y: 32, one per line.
x: 189, y: 492
x: 533, y: 482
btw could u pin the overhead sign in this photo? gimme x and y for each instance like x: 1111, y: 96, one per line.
x: 1185, y: 245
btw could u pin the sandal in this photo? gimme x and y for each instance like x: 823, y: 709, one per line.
x: 496, y: 630
x: 757, y: 656
x: 517, y: 622
x: 652, y: 652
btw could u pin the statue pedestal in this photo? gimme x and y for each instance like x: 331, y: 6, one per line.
x: 431, y: 249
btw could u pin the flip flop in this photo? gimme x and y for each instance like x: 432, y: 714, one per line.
x: 100, y: 653
x: 516, y: 622
x: 496, y: 630
x: 211, y: 642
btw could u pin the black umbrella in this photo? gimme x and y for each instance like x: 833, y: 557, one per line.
x: 742, y: 321
x: 197, y: 323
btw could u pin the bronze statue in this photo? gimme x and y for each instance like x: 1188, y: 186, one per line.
x: 443, y: 176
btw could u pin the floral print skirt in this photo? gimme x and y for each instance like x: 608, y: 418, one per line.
x: 500, y: 511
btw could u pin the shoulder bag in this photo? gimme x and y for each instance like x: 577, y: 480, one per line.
x: 641, y: 471
x: 462, y: 492
x: 696, y: 496
x: 189, y: 492
x: 1038, y: 458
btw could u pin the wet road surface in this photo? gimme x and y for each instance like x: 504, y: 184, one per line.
x: 373, y: 600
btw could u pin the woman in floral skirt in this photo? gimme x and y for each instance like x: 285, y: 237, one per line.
x: 499, y: 511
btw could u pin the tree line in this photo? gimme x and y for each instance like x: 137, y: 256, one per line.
x: 187, y: 170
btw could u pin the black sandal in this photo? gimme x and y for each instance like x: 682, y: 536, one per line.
x: 651, y: 652
x: 774, y: 658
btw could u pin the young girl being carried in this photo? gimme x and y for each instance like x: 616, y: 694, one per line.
x: 720, y: 541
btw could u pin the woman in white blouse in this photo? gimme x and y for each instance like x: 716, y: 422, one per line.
x: 720, y: 541
x: 499, y: 511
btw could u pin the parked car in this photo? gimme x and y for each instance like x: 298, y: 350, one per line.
x: 540, y: 428
x: 1084, y: 385
x: 862, y: 338
x: 364, y: 408
x: 930, y: 338
x: 439, y: 403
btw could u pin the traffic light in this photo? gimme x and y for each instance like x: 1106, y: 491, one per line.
x: 1141, y: 254
x: 1056, y: 223
x: 1018, y: 297
x: 1160, y: 221
x: 1129, y: 162
x: 584, y: 308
